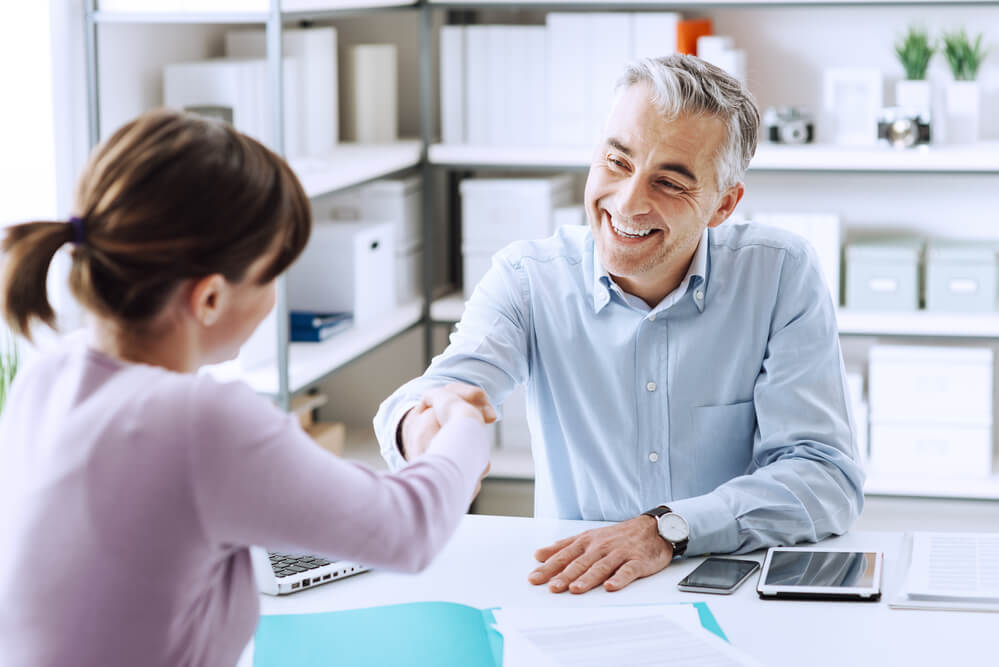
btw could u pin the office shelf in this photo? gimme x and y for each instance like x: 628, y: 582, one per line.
x: 985, y: 488
x: 309, y: 363
x: 919, y: 323
x: 448, y: 309
x: 687, y: 4
x: 298, y: 11
x: 352, y: 164
x: 976, y: 158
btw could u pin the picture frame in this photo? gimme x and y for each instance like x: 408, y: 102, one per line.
x: 852, y: 98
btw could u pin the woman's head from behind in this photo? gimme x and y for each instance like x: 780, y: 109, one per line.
x: 177, y: 215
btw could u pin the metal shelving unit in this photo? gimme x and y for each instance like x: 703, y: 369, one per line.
x: 299, y: 365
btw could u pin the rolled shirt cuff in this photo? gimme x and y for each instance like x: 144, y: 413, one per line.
x: 713, y: 527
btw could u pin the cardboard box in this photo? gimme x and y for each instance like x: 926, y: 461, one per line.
x: 331, y: 436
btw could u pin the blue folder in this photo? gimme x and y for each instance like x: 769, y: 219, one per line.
x: 443, y: 634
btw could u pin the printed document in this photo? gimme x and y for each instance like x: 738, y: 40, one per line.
x: 621, y: 636
x: 954, y: 567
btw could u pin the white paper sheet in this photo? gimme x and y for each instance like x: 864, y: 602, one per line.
x: 622, y: 636
x: 954, y: 566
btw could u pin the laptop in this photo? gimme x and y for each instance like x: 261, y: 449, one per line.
x: 280, y: 573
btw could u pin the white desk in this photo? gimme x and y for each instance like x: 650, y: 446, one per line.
x: 487, y: 562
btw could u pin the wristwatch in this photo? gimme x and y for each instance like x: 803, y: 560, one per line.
x: 672, y: 527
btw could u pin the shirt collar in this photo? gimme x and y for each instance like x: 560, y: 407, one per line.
x: 696, y: 275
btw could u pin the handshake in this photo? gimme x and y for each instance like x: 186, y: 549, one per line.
x: 437, y: 407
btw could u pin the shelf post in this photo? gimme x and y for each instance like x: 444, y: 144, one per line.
x: 427, y: 173
x: 275, y: 71
x: 90, y: 56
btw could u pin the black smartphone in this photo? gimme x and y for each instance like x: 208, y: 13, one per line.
x: 718, y: 575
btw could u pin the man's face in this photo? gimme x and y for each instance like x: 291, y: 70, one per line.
x: 652, y: 191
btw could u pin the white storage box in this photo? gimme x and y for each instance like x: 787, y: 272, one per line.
x: 883, y: 276
x: 315, y: 51
x: 409, y: 273
x: 347, y: 267
x: 937, y: 450
x: 371, y: 85
x: 240, y: 86
x: 399, y: 201
x: 945, y: 384
x: 474, y: 265
x: 821, y: 230
x: 960, y: 277
x: 514, y: 432
x: 496, y: 212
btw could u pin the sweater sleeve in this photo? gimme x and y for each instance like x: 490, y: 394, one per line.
x: 259, y: 479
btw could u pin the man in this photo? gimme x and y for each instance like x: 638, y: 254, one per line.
x: 684, y: 379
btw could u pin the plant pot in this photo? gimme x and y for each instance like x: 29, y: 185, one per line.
x: 913, y: 96
x: 962, y: 111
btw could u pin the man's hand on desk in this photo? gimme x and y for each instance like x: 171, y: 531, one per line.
x: 421, y: 424
x: 613, y: 556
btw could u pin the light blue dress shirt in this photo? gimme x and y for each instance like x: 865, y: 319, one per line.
x: 727, y: 401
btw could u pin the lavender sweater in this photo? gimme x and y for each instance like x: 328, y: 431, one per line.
x: 128, y: 494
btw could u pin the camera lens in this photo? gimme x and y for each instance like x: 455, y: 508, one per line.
x: 902, y: 133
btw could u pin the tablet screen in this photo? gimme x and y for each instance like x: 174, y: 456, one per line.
x: 821, y: 568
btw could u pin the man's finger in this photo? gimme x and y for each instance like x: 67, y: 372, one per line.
x: 544, y: 553
x: 596, y: 574
x: 556, y: 563
x: 625, y: 574
x: 572, y: 571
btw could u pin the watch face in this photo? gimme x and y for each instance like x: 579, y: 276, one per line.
x: 673, y: 527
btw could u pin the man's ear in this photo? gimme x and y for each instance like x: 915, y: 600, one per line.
x: 208, y: 298
x: 726, y: 204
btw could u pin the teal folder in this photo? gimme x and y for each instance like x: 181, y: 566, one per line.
x: 443, y: 634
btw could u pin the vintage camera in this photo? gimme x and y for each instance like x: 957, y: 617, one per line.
x: 903, y: 128
x: 789, y: 125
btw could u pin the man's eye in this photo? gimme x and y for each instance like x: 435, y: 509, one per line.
x: 669, y: 185
x: 616, y: 162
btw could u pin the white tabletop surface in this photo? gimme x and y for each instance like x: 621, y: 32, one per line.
x: 487, y: 562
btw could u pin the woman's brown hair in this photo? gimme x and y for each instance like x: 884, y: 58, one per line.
x: 169, y: 197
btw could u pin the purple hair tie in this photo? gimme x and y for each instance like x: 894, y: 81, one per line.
x: 79, y: 232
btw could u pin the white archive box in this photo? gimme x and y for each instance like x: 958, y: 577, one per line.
x: 822, y: 230
x: 409, y: 273
x: 961, y: 276
x: 514, y: 432
x: 930, y: 384
x: 398, y: 200
x: 370, y: 83
x: 316, y: 53
x: 499, y: 211
x: 937, y: 449
x: 206, y: 6
x: 347, y: 267
x: 241, y: 87
x: 474, y: 265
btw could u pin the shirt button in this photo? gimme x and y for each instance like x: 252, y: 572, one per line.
x: 653, y: 457
x: 699, y: 294
x: 652, y: 317
x: 651, y: 386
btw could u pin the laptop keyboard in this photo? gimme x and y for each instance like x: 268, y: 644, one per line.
x: 286, y: 565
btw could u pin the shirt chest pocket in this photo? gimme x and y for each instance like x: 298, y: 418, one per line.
x: 722, y: 437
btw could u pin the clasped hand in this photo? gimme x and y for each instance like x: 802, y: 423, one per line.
x: 613, y: 556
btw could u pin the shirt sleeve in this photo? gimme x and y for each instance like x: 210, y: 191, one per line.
x: 488, y: 349
x: 805, y: 482
x: 258, y: 479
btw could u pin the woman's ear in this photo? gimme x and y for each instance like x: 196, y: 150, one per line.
x: 208, y: 297
x: 726, y: 204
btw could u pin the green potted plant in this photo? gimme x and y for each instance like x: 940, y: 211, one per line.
x: 8, y: 363
x: 914, y: 49
x: 964, y: 57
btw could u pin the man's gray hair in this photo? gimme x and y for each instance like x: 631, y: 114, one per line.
x: 687, y: 86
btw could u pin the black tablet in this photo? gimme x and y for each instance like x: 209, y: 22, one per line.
x: 821, y: 574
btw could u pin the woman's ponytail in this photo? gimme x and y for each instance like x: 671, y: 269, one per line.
x: 28, y: 250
